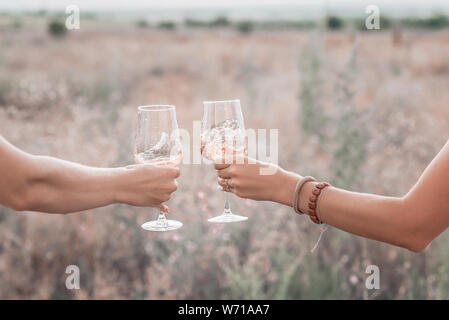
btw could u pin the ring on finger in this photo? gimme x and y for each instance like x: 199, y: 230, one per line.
x: 222, y: 182
x: 229, y: 184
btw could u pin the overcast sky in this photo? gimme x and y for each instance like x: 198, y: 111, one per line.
x: 306, y: 7
x: 160, y: 4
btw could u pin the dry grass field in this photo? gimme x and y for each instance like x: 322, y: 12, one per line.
x: 365, y: 110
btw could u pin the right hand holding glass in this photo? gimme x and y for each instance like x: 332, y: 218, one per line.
x: 251, y: 179
x: 147, y: 185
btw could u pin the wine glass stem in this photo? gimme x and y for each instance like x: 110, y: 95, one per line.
x: 227, y: 207
x: 162, y: 220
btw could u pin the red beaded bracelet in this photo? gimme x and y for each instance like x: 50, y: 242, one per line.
x: 313, y: 201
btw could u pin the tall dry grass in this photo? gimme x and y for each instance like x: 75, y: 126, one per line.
x: 358, y: 109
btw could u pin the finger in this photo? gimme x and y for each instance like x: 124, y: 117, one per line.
x: 233, y: 159
x: 178, y: 173
x: 227, y: 189
x: 172, y: 171
x: 164, y: 209
x: 225, y: 185
x: 220, y: 166
x: 131, y: 166
x: 222, y: 182
x: 224, y: 173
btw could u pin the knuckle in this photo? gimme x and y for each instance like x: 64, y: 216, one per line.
x: 176, y: 172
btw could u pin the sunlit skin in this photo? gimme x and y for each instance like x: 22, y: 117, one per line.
x: 411, y: 221
x: 46, y: 184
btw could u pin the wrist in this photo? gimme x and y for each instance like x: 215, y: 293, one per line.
x: 114, y: 185
x: 285, y: 187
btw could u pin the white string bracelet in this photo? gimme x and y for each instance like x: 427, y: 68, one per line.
x: 323, y: 229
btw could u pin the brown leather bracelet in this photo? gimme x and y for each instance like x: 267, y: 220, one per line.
x: 313, y: 201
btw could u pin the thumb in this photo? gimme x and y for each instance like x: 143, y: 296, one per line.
x: 164, y: 209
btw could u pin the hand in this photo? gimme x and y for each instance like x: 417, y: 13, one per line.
x: 147, y: 185
x: 252, y: 179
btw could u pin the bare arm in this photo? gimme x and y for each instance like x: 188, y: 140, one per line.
x: 39, y: 183
x: 412, y: 221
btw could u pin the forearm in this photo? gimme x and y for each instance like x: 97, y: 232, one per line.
x: 386, y: 219
x: 46, y: 184
x: 58, y: 186
x: 393, y: 220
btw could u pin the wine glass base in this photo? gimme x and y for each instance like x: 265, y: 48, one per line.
x: 227, y: 218
x: 155, y: 225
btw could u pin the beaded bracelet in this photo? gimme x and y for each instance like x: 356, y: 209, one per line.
x: 313, y: 200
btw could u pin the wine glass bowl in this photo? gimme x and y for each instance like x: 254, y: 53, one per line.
x: 157, y: 142
x: 157, y: 139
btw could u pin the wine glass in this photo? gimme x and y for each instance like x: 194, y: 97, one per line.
x: 223, y: 138
x: 157, y: 142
